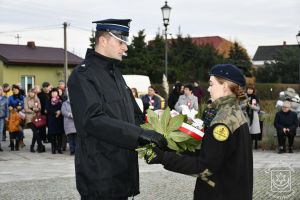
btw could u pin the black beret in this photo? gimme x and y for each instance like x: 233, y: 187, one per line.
x: 229, y: 72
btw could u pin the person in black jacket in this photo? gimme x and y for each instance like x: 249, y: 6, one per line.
x: 224, y: 166
x: 106, y: 163
x: 286, y: 123
x: 150, y: 100
x: 55, y: 121
x: 44, y: 97
x: 174, y: 96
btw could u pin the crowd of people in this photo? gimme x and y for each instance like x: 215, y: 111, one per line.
x: 180, y: 95
x: 45, y: 111
x: 191, y: 95
x: 18, y: 110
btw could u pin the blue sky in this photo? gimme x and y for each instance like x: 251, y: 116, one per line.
x: 252, y: 23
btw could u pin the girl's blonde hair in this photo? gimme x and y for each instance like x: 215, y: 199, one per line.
x: 234, y: 88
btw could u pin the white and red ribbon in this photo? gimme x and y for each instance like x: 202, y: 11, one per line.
x: 192, y: 131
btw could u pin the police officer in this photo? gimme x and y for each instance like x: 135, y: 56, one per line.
x: 224, y: 166
x: 106, y: 162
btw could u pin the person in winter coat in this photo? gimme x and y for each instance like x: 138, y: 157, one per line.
x: 16, y: 105
x: 137, y: 99
x: 7, y: 92
x: 252, y: 110
x: 197, y: 91
x: 44, y: 98
x: 188, y: 99
x: 55, y: 121
x: 224, y: 165
x: 3, y: 113
x: 69, y: 125
x: 104, y: 111
x: 174, y: 96
x: 286, y: 123
x: 32, y: 106
x: 150, y: 100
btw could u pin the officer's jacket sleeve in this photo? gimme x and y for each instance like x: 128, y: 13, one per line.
x: 90, y: 118
x: 212, y: 154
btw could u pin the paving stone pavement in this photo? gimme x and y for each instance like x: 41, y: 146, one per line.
x: 25, y: 175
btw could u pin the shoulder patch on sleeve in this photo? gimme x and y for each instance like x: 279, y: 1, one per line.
x: 221, y: 133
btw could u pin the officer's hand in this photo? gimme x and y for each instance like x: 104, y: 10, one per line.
x: 149, y: 136
x: 157, y: 159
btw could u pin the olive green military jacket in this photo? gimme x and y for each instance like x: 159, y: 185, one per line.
x: 224, y: 165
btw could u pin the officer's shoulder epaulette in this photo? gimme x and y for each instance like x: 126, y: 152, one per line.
x: 83, y: 66
x: 231, y: 116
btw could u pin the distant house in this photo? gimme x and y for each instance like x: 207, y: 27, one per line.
x: 266, y: 53
x: 220, y: 44
x: 31, y: 65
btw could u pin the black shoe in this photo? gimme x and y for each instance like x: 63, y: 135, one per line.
x: 41, y: 149
x: 280, y: 151
x: 32, y: 149
x: 53, y: 151
x: 291, y: 150
x: 59, y: 151
x: 72, y: 153
x: 1, y: 149
x: 12, y: 146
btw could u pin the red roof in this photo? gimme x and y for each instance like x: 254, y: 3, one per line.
x: 215, y: 41
x: 32, y: 55
x: 219, y: 43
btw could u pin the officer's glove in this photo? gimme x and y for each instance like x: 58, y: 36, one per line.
x: 157, y: 159
x: 149, y: 136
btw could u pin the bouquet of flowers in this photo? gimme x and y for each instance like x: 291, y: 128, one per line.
x: 182, y: 133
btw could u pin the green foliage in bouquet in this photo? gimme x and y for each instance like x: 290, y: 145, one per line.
x: 168, y: 126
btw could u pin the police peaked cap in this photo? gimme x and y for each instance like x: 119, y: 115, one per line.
x: 229, y: 72
x: 118, y: 27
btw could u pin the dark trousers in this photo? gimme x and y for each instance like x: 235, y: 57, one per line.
x: 64, y: 141
x: 72, y: 141
x: 43, y: 133
x: 281, y: 138
x: 35, y: 135
x: 56, y: 142
x: 14, y: 140
x: 4, y: 132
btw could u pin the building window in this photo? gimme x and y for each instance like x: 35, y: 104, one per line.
x: 27, y: 82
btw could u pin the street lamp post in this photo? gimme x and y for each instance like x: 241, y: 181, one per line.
x: 298, y: 40
x: 166, y: 10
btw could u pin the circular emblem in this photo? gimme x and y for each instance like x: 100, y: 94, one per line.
x: 221, y: 133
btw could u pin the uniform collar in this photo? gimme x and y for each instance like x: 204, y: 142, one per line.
x: 222, y: 101
x: 108, y: 63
